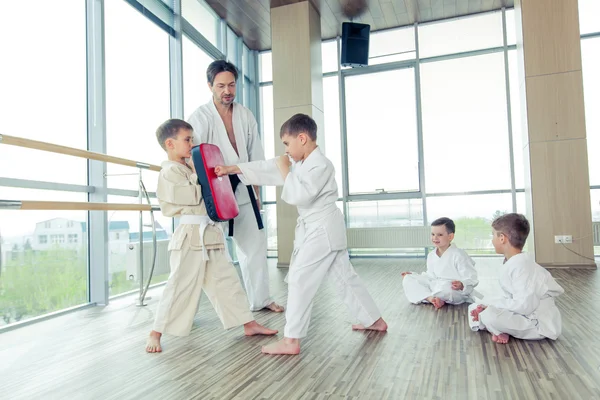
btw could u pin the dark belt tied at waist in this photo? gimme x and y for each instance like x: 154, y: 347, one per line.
x: 234, y: 183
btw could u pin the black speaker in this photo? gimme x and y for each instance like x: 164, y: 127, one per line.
x: 355, y: 44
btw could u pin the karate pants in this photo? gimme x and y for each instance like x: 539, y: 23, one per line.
x: 307, y: 272
x: 419, y: 287
x: 498, y: 321
x: 190, y: 274
x: 252, y: 255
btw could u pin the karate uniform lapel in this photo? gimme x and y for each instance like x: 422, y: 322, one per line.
x: 221, y: 139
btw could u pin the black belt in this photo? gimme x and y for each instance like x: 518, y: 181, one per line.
x: 234, y: 183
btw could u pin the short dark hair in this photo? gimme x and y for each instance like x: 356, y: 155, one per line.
x: 216, y: 67
x: 299, y: 123
x: 515, y: 227
x: 447, y: 222
x: 169, y: 129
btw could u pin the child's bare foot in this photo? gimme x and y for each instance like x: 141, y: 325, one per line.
x: 253, y: 328
x: 274, y: 307
x: 501, y: 338
x: 438, y: 303
x: 379, y: 325
x: 153, y: 342
x: 284, y: 346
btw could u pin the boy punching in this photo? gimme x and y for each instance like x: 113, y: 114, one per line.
x: 320, y: 236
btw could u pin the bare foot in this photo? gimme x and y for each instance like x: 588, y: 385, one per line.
x: 153, y: 342
x: 438, y: 303
x: 254, y: 328
x: 379, y: 325
x: 284, y: 346
x: 501, y: 338
x: 274, y: 307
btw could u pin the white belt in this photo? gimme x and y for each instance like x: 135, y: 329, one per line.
x: 189, y: 219
x: 204, y: 221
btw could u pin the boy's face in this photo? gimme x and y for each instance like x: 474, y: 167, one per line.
x: 294, y: 146
x: 223, y: 88
x: 440, y: 236
x: 498, y: 240
x: 181, y: 145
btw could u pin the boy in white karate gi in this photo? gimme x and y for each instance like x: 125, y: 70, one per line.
x: 450, y: 276
x: 527, y: 309
x: 320, y: 237
x: 198, y: 257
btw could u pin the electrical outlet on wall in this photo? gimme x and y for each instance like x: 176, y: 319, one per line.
x: 563, y: 239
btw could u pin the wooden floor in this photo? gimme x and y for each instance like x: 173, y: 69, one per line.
x: 99, y: 353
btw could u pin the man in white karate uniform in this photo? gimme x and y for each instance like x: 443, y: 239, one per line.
x: 527, y: 309
x: 233, y: 128
x: 450, y: 276
x: 320, y: 237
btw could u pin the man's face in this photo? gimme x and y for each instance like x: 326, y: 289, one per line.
x: 223, y: 88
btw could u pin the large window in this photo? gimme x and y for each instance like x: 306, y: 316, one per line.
x: 519, y: 141
x: 461, y: 35
x: 123, y: 247
x: 43, y: 254
x: 137, y: 91
x: 381, y: 130
x: 392, y: 45
x: 464, y: 111
x: 473, y: 216
x: 41, y: 271
x: 589, y: 10
x: 265, y: 66
x: 368, y: 214
x: 42, y: 95
x: 465, y: 129
x: 329, y: 56
x: 590, y: 57
x: 268, y: 133
x: 331, y: 130
x: 195, y: 88
x: 201, y: 17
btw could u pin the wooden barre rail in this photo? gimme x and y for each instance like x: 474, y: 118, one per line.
x: 71, y: 151
x: 73, y: 205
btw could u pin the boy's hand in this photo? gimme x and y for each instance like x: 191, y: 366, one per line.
x: 405, y: 273
x: 457, y: 285
x: 475, y: 313
x: 283, y: 162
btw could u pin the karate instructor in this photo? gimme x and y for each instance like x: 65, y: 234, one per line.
x: 233, y: 128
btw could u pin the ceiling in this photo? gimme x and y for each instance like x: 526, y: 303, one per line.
x: 251, y: 19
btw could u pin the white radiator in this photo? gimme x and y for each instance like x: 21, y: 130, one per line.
x: 389, y: 237
x: 596, y: 232
x: 133, y: 259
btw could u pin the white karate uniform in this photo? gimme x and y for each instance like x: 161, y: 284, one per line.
x: 250, y: 241
x: 527, y: 309
x: 454, y: 265
x: 198, y: 259
x: 320, y: 247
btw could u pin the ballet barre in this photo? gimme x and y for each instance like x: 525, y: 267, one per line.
x: 83, y: 206
x: 73, y: 206
x: 71, y: 151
